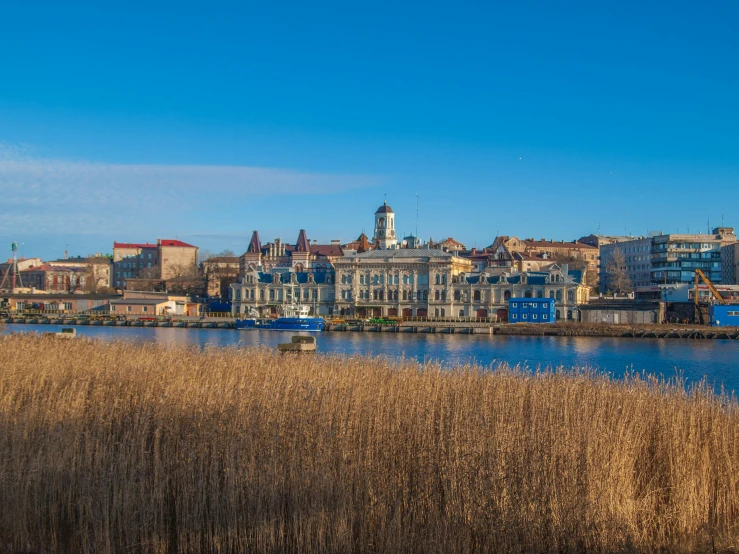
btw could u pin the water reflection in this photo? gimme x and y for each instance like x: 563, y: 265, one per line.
x: 717, y: 360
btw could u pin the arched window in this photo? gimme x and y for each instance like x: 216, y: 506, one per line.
x: 436, y: 295
x: 559, y: 296
x: 556, y: 314
x: 381, y: 222
x: 456, y: 295
x: 540, y: 294
x: 405, y: 295
x: 570, y: 296
x: 569, y: 315
x: 425, y: 295
x: 551, y: 294
x: 527, y: 294
x: 443, y: 296
x: 438, y: 279
x: 476, y: 296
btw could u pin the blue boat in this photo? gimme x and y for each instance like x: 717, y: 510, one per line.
x: 294, y: 318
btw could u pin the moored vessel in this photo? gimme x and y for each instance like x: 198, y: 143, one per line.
x: 295, y: 317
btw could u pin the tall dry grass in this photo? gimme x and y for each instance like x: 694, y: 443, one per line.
x: 140, y: 448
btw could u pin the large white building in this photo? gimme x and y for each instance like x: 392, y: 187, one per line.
x: 391, y: 281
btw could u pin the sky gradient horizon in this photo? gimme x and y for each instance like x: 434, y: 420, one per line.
x: 530, y: 119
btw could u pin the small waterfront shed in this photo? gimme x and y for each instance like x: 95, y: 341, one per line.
x: 531, y: 310
x: 724, y: 315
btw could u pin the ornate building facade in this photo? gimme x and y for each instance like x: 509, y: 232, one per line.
x: 390, y: 281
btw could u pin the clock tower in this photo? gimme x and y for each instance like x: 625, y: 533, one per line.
x: 385, y: 237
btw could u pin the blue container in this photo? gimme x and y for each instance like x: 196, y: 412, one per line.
x: 724, y: 315
x: 531, y: 310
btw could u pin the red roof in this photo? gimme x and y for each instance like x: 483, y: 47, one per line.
x: 133, y: 245
x: 169, y: 242
x: 326, y: 250
x: 160, y: 242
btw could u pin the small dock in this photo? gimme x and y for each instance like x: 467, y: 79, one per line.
x: 299, y: 344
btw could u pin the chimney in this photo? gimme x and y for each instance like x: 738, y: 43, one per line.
x: 335, y: 242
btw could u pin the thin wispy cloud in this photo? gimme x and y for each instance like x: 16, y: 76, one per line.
x: 42, y: 195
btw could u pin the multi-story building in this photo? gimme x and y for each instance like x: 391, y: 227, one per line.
x: 98, y: 270
x: 133, y: 261
x: 55, y: 279
x: 177, y: 259
x: 555, y: 249
x: 401, y: 282
x: 634, y: 256
x: 730, y: 264
x: 167, y: 259
x: 675, y: 257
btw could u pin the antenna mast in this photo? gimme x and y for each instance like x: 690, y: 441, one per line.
x: 14, y: 268
x: 417, y: 201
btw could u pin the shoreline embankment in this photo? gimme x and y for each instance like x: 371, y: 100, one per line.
x: 561, y: 329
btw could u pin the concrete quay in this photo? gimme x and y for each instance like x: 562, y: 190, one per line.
x: 563, y: 329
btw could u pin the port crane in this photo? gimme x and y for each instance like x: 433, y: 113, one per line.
x: 699, y: 275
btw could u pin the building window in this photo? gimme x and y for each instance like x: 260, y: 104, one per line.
x: 128, y: 308
x: 545, y: 316
x: 146, y: 308
x: 514, y: 305
x: 533, y: 316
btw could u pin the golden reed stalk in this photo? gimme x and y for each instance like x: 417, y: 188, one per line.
x: 120, y: 447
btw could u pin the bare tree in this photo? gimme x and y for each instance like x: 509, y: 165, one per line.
x: 619, y: 280
x: 186, y: 279
x: 219, y: 272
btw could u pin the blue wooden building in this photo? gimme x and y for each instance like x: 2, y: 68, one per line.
x: 724, y: 315
x: 531, y: 310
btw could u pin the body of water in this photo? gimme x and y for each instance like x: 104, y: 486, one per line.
x: 717, y: 360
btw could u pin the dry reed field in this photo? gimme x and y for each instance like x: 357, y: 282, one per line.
x: 120, y: 447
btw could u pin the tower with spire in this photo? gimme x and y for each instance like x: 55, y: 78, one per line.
x: 385, y: 238
x: 253, y: 254
x: 301, y: 254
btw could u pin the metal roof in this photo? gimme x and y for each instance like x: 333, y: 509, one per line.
x: 401, y: 253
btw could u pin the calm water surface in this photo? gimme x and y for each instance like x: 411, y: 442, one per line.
x: 718, y: 360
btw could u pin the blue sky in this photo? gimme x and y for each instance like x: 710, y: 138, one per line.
x: 203, y: 122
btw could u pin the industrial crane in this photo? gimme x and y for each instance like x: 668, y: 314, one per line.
x: 709, y: 284
x: 720, y: 299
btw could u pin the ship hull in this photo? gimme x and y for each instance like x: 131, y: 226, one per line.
x: 312, y: 324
